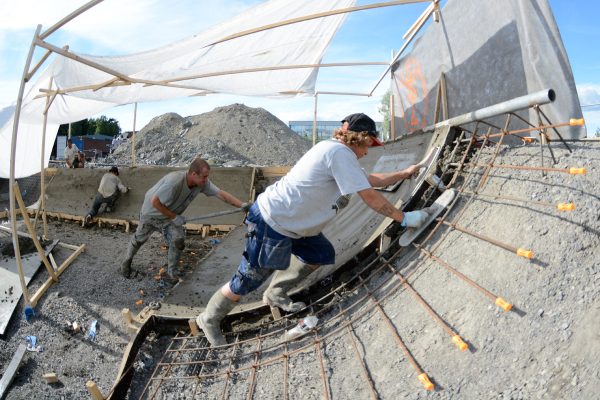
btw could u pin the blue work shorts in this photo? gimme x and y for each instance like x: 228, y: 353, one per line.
x: 267, y: 250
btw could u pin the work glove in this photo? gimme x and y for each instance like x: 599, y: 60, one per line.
x: 179, y: 220
x: 246, y: 206
x: 414, y: 219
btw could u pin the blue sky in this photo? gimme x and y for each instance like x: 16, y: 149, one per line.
x: 364, y: 37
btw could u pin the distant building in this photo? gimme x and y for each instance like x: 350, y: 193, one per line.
x: 324, y: 128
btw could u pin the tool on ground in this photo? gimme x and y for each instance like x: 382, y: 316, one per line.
x: 434, y: 211
x: 216, y: 214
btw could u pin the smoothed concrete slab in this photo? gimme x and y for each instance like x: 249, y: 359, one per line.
x: 72, y: 191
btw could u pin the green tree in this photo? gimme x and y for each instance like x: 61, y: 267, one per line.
x: 384, y: 110
x: 92, y: 126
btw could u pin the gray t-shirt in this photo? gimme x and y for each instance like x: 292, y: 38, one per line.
x: 172, y: 190
x: 316, y: 188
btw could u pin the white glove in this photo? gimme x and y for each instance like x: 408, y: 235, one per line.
x: 246, y: 206
x: 414, y: 219
x: 179, y: 220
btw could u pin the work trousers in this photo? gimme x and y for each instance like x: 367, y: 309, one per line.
x: 173, y: 234
x: 99, y: 200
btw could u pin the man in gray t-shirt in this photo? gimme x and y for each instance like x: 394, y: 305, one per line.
x: 163, y: 205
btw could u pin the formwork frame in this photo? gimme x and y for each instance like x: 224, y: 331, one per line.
x: 190, y: 358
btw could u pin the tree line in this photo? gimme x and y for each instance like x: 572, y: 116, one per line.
x: 92, y: 126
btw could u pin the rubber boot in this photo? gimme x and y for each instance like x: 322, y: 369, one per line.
x: 126, y: 264
x: 276, y: 294
x: 210, y: 320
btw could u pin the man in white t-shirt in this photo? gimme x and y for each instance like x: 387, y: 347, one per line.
x: 163, y: 205
x: 109, y: 190
x: 288, y: 217
x: 71, y: 151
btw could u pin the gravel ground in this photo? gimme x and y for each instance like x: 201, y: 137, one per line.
x: 230, y: 136
x: 548, y: 349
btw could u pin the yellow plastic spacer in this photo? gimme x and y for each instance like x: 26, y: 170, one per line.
x: 459, y: 343
x: 576, y: 122
x: 525, y: 253
x: 577, y: 171
x: 424, y: 379
x: 503, y: 304
x: 565, y: 206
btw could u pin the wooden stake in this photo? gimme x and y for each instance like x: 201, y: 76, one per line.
x: 94, y: 391
x: 50, y: 377
x: 127, y: 317
x: 193, y: 327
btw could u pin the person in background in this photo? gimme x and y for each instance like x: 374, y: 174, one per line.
x: 71, y: 152
x: 163, y: 205
x: 79, y: 161
x: 109, y: 191
x: 289, y: 216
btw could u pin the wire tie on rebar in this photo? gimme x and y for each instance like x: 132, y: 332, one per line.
x: 457, y: 340
x: 565, y: 206
x: 525, y: 253
x: 505, y: 305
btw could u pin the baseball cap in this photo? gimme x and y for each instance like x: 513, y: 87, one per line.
x: 114, y: 170
x: 360, y: 122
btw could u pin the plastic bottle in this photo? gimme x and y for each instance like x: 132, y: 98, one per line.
x: 302, y: 328
x: 92, y: 330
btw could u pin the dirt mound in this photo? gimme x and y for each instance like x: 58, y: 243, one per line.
x: 233, y: 136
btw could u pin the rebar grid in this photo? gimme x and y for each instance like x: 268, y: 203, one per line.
x: 263, y: 346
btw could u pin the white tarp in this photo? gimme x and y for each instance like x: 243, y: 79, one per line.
x: 296, y: 44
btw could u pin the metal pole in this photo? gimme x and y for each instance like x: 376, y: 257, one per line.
x: 538, y: 98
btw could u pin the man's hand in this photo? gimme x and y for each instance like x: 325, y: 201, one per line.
x: 413, y: 170
x: 414, y: 219
x: 179, y: 220
x: 246, y: 206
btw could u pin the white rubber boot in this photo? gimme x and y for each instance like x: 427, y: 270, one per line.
x: 210, y: 320
x: 276, y: 294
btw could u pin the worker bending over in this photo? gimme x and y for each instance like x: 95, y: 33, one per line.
x: 109, y: 191
x: 288, y: 218
x: 163, y: 205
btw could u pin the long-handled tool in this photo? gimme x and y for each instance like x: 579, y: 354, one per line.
x: 216, y: 214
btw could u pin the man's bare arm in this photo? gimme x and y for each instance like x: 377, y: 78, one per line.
x: 229, y: 198
x: 164, y: 210
x: 377, y: 202
x: 389, y: 178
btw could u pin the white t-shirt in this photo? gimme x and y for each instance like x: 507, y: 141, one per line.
x: 109, y: 184
x: 70, y: 153
x: 309, y: 196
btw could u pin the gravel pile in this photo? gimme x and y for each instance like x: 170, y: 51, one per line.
x: 230, y: 136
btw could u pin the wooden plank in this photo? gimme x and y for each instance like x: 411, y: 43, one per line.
x: 36, y: 297
x: 33, y: 234
x: 11, y: 370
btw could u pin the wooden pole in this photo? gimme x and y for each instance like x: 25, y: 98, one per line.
x: 36, y: 242
x: 404, y: 46
x: 314, y: 131
x: 43, y: 166
x: 13, y: 151
x: 133, y: 136
x: 69, y: 17
x: 314, y: 16
x: 392, y: 118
